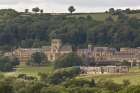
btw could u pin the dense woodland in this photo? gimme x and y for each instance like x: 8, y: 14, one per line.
x: 37, y: 29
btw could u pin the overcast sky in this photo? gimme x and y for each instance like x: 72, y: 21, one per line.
x: 62, y: 5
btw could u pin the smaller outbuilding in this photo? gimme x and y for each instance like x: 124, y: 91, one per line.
x: 104, y: 70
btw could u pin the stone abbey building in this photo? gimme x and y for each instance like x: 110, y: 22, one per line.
x: 52, y: 52
x: 99, y: 54
x: 104, y: 70
x: 107, y: 54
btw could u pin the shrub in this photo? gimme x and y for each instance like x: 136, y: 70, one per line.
x: 7, y: 64
x: 68, y: 61
x: 131, y: 89
x: 80, y: 83
x: 62, y: 75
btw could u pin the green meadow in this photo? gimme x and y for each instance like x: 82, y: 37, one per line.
x: 29, y: 70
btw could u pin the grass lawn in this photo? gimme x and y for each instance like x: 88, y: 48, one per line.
x: 33, y: 71
x: 133, y: 76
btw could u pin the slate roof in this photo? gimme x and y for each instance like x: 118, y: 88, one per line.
x: 66, y: 48
x: 98, y: 49
x: 62, y: 48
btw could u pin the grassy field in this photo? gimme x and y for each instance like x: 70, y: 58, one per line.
x: 133, y: 76
x: 102, y: 16
x: 32, y: 71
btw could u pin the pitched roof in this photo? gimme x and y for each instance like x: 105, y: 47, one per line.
x: 66, y: 48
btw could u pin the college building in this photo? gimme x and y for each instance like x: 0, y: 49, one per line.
x: 52, y: 52
x: 98, y: 54
x: 108, y: 55
x: 104, y: 70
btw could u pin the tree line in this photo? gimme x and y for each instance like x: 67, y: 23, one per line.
x: 118, y: 11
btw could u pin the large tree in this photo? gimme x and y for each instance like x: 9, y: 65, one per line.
x: 112, y: 11
x: 38, y: 58
x: 26, y: 10
x: 41, y: 11
x: 60, y: 75
x: 7, y: 64
x: 36, y: 9
x: 71, y: 9
x: 69, y: 60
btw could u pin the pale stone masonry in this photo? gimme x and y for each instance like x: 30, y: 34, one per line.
x: 104, y: 70
x: 107, y: 54
x: 99, y: 54
x: 103, y: 53
x: 24, y: 54
x: 52, y: 52
x: 56, y: 49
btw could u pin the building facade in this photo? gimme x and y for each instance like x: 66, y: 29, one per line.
x: 24, y: 54
x: 104, y: 70
x: 52, y: 52
x: 107, y: 54
x: 98, y: 54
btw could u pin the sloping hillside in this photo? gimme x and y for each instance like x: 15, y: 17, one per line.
x: 101, y: 16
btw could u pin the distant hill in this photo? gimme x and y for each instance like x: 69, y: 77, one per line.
x: 101, y: 16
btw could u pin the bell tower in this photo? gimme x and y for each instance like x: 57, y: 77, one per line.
x: 56, y: 44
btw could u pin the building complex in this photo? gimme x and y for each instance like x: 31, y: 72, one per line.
x: 99, y: 54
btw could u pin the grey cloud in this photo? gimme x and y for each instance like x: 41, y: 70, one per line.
x: 61, y: 5
x: 86, y: 3
x: 99, y: 3
x: 9, y: 2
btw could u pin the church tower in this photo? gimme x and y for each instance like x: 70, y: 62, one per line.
x: 56, y: 44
